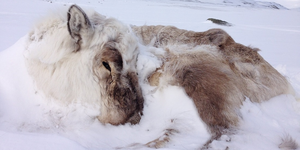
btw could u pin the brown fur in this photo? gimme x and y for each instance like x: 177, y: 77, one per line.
x: 209, y: 81
x: 217, y: 77
x: 169, y: 35
x: 125, y: 99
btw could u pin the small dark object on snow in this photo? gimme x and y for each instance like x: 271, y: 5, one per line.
x: 219, y: 22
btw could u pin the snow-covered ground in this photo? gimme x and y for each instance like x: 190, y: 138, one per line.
x: 26, y: 123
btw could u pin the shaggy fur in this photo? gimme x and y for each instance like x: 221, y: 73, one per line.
x: 87, y: 59
x: 288, y: 144
x: 161, y: 36
x: 215, y: 71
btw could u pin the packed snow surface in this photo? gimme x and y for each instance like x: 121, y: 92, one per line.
x: 27, y: 121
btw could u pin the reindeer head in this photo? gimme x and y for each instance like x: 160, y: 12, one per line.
x: 113, y: 63
x: 87, y: 59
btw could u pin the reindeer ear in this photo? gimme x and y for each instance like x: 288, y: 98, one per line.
x: 78, y: 22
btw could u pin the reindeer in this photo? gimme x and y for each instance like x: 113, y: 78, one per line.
x: 87, y: 58
x: 91, y: 59
x: 215, y: 71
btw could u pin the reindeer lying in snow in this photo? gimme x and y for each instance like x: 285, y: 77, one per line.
x: 215, y: 71
x: 91, y: 59
x: 87, y: 59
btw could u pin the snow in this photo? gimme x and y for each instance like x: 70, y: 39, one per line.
x: 27, y: 121
x: 287, y: 3
x: 242, y: 3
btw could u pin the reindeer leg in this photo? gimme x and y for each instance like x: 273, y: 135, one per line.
x: 162, y: 140
x: 209, y: 88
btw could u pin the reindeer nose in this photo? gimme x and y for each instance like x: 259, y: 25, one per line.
x: 115, y: 76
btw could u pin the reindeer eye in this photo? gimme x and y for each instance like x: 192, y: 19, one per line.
x: 106, y: 65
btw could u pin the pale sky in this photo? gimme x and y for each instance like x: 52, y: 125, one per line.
x: 286, y: 3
